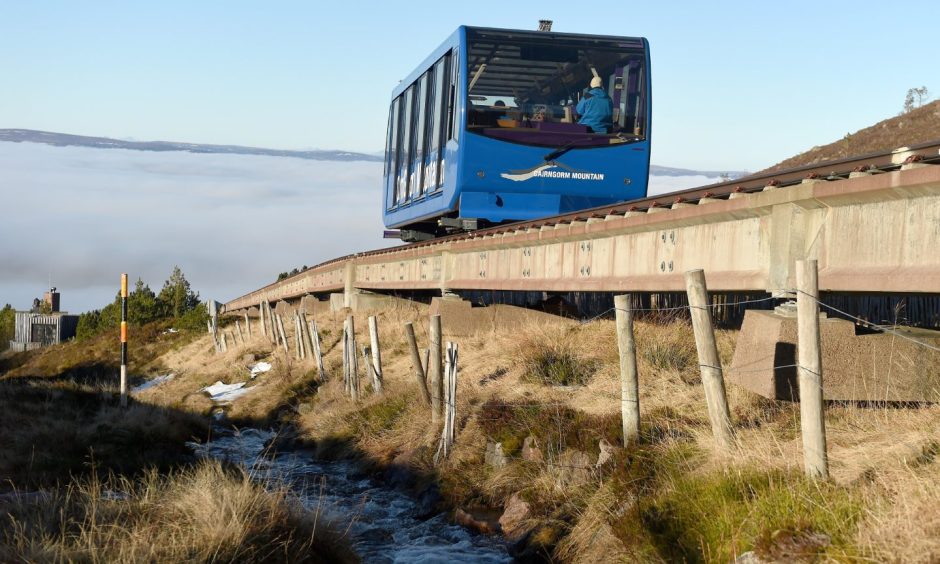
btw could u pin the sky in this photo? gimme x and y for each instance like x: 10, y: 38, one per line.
x: 736, y: 85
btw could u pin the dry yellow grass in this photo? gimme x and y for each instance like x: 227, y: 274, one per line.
x: 206, y: 514
x: 877, y: 454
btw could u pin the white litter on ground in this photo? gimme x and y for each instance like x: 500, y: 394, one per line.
x: 151, y: 383
x: 260, y: 368
x: 226, y: 393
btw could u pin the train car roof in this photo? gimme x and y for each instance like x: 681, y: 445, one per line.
x: 454, y: 39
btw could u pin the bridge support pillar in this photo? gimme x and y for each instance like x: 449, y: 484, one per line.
x: 349, y: 284
x: 765, y: 360
x: 793, y: 235
x: 448, y: 263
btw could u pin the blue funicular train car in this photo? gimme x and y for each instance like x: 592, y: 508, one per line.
x: 485, y: 130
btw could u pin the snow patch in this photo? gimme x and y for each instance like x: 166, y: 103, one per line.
x: 260, y: 368
x: 226, y: 393
x: 152, y: 383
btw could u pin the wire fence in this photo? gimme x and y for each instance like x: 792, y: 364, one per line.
x: 915, y: 447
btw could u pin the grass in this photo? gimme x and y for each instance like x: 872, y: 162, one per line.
x: 56, y: 428
x: 717, y: 516
x: 98, y: 357
x: 549, y: 358
x: 556, y: 427
x: 204, y: 514
x: 668, y: 347
x: 674, y: 496
x: 62, y: 427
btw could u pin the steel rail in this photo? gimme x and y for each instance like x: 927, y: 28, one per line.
x: 872, y: 163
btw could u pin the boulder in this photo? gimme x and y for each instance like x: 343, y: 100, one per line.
x: 513, y: 520
x: 573, y: 468
x: 607, y: 452
x: 465, y: 519
x: 495, y: 458
x: 530, y: 450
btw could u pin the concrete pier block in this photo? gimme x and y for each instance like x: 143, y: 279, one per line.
x: 337, y: 301
x: 871, y: 367
x: 460, y: 318
x: 365, y: 301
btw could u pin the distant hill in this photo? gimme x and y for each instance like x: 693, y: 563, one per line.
x: 919, y: 125
x: 656, y: 170
x: 66, y: 140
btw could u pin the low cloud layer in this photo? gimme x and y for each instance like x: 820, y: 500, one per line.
x: 231, y: 222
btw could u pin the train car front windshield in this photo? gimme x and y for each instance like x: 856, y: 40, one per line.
x: 524, y: 88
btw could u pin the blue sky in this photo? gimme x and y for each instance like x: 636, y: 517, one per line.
x: 737, y: 85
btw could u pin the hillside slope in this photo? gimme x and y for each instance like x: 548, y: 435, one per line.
x: 68, y: 140
x: 917, y: 126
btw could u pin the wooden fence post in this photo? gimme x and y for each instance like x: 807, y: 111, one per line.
x: 450, y: 402
x: 434, y: 369
x: 272, y: 324
x: 264, y: 328
x: 812, y: 416
x: 317, y: 354
x: 346, y: 378
x: 376, y: 355
x: 353, y: 359
x: 370, y: 368
x: 629, y: 384
x: 709, y: 362
x: 283, y: 334
x: 299, y: 332
x: 305, y: 335
x: 420, y: 375
x: 451, y: 394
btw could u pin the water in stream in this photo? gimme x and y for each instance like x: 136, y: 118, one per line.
x: 383, y: 523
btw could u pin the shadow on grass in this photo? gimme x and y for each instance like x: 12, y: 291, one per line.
x: 56, y: 428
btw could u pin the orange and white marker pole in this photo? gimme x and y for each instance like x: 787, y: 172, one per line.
x: 124, y: 340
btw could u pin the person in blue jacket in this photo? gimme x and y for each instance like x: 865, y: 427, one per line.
x: 596, y: 109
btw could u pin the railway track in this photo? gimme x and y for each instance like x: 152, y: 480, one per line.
x: 873, y: 222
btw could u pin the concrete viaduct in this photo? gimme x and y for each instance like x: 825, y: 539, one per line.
x: 871, y: 232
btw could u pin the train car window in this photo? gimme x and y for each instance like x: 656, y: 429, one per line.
x: 391, y: 143
x: 526, y: 88
x: 395, y: 156
x: 407, y: 141
x: 433, y: 137
x: 444, y: 101
x: 421, y: 116
x: 391, y: 149
x: 453, y: 113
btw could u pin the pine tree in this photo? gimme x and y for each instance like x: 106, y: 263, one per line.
x: 142, y: 305
x: 177, y: 297
x: 7, y: 326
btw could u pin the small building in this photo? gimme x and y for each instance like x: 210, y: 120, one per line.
x: 43, y: 325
